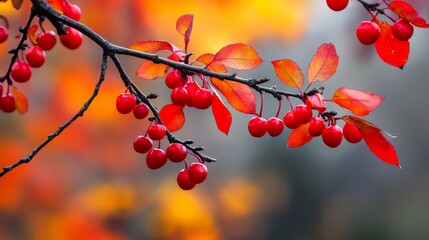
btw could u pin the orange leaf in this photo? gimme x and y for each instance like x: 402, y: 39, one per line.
x: 359, y: 103
x: 184, y: 27
x: 391, y: 50
x: 324, y: 63
x: 407, y: 12
x: 289, y: 72
x: 238, y: 56
x: 149, y: 70
x: 375, y: 140
x: 152, y: 46
x: 221, y: 114
x: 32, y: 33
x: 173, y: 117
x: 56, y: 4
x: 299, y: 137
x: 207, y: 59
x: 21, y: 101
x: 240, y: 96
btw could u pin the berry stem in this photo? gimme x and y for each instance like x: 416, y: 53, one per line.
x: 262, y: 104
x: 279, y: 108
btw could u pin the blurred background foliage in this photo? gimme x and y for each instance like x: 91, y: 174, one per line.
x: 90, y: 184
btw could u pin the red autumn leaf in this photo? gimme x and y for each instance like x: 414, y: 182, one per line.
x: 221, y: 114
x: 407, y: 12
x: 173, y: 117
x: 184, y: 27
x: 207, y: 59
x: 240, y: 96
x: 317, y: 101
x: 391, y: 50
x: 238, y: 56
x: 299, y: 137
x: 323, y: 64
x: 375, y: 140
x: 21, y: 101
x: 152, y: 46
x: 17, y: 4
x: 358, y: 102
x: 289, y: 72
x: 149, y: 70
x: 32, y: 33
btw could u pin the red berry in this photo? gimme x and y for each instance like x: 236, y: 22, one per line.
x: 156, y: 158
x: 7, y: 103
x: 1, y: 90
x: 183, y: 180
x: 174, y: 79
x: 125, y: 102
x: 275, y: 126
x: 352, y: 133
x: 257, y: 126
x: 368, y: 32
x: 197, y: 172
x: 4, y: 34
x: 46, y: 40
x: 142, y: 144
x: 35, y: 56
x: 337, y: 5
x: 71, y: 40
x: 191, y: 88
x: 179, y: 96
x: 71, y: 10
x: 176, y: 152
x: 290, y: 120
x: 140, y: 111
x: 316, y: 126
x: 21, y: 71
x: 302, y: 113
x: 202, y: 98
x: 157, y: 131
x: 332, y: 136
x: 402, y: 30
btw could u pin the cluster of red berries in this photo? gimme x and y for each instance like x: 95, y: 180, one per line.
x: 156, y: 157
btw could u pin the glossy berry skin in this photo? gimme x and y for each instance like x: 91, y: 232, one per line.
x: 275, y: 126
x: 202, y: 98
x: 157, y: 131
x: 21, y: 71
x: 174, y: 79
x: 317, y: 124
x: 72, y: 40
x: 46, y: 40
x: 332, y: 136
x: 140, y: 111
x: 402, y: 30
x: 183, y: 180
x: 71, y: 10
x: 367, y: 32
x: 197, y: 172
x: 191, y: 88
x: 156, y: 158
x: 337, y: 5
x: 142, y: 144
x: 179, y: 96
x: 35, y: 56
x: 176, y: 152
x: 352, y: 133
x: 7, y: 103
x: 125, y: 102
x: 290, y: 121
x: 302, y: 113
x: 257, y: 126
x: 4, y: 34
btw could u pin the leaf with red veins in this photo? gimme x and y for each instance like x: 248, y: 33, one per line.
x: 323, y: 64
x: 173, y: 117
x: 238, y: 56
x: 221, y: 114
x: 184, y: 27
x: 391, y: 50
x: 152, y: 46
x: 207, y: 59
x: 358, y: 102
x: 375, y: 140
x: 407, y: 12
x: 240, y: 96
x: 299, y: 137
x: 150, y: 71
x: 317, y: 101
x: 56, y: 4
x: 289, y: 72
x: 21, y: 101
